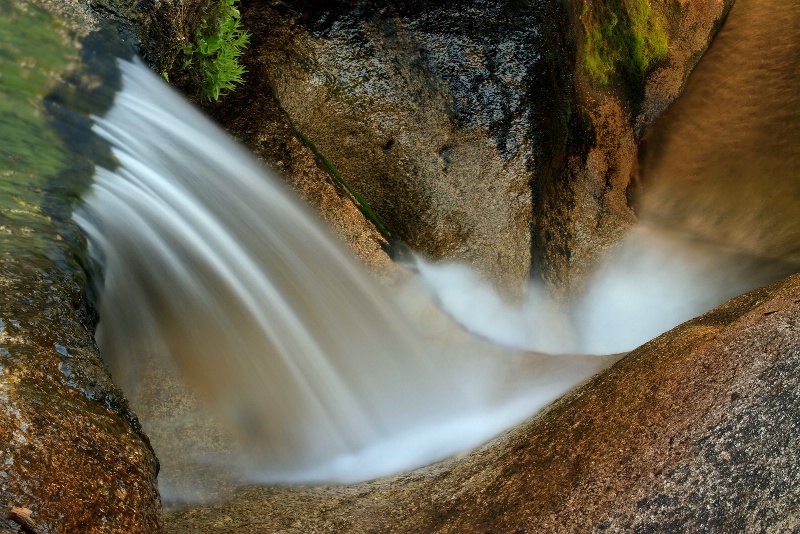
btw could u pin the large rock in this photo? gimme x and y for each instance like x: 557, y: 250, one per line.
x: 698, y: 429
x: 472, y: 129
x: 72, y: 453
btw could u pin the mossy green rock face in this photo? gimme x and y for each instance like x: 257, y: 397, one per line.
x: 71, y: 453
x: 34, y: 53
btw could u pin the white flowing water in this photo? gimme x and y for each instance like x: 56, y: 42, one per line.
x: 652, y: 281
x: 207, y: 259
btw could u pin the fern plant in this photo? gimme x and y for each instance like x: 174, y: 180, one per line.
x: 219, y: 42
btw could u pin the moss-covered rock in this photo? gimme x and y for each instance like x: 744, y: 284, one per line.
x: 74, y: 457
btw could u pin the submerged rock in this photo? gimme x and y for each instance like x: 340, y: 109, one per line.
x: 698, y: 429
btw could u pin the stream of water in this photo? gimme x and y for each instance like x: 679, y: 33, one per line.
x: 206, y: 258
x: 207, y: 267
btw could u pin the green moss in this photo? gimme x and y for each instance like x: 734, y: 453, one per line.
x: 219, y: 43
x: 35, y: 52
x: 47, y: 150
x: 361, y: 202
x: 622, y: 36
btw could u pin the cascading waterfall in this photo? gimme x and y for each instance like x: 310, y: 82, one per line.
x: 208, y: 259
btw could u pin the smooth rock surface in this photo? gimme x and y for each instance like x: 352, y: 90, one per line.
x: 696, y: 430
x: 471, y: 128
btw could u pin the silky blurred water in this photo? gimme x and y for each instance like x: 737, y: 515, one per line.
x: 718, y: 204
x: 208, y: 265
x: 722, y: 165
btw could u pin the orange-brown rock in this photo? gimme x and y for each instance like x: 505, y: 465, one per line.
x: 71, y: 452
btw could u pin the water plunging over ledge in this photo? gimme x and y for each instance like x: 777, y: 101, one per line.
x: 208, y: 259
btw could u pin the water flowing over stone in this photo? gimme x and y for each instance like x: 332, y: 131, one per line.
x: 206, y: 258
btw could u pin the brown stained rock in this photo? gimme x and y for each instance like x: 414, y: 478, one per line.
x: 70, y: 451
x: 599, y: 179
x: 253, y: 116
x: 690, y: 25
x: 697, y: 430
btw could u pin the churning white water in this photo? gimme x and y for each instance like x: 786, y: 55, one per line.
x: 652, y: 281
x: 206, y: 258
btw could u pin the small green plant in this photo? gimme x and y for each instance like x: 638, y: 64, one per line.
x: 219, y: 42
x: 622, y: 35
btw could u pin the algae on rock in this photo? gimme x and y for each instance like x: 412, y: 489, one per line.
x: 73, y: 453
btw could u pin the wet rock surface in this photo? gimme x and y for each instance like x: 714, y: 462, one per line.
x: 73, y: 457
x: 423, y: 111
x: 72, y: 453
x: 697, y: 430
x: 470, y: 128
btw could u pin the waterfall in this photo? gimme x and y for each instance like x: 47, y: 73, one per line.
x: 208, y: 261
x: 206, y: 258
